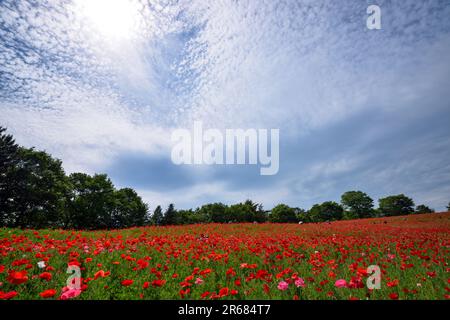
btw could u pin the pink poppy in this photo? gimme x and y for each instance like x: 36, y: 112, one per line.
x: 341, y: 283
x: 299, y: 282
x: 69, y: 294
x: 283, y: 285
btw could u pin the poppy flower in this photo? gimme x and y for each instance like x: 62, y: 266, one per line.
x: 283, y: 285
x: 127, y: 282
x: 17, y: 277
x: 99, y: 274
x: 299, y: 282
x: 393, y: 296
x: 224, y: 292
x: 158, y: 283
x: 183, y: 293
x: 393, y: 283
x: 45, y: 276
x: 341, y: 283
x: 7, y: 295
x: 48, y: 293
x: 69, y: 294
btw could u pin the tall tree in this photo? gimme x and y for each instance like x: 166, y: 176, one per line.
x: 396, y: 205
x: 92, y: 201
x: 214, y: 212
x: 39, y: 190
x: 170, y: 216
x: 8, y: 160
x: 283, y: 213
x: 326, y: 211
x: 157, y: 217
x: 129, y: 209
x: 448, y: 207
x: 421, y: 208
x: 357, y: 204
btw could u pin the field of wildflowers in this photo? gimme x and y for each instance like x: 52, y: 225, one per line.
x: 232, y: 261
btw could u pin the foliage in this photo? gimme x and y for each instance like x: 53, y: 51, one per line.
x: 421, y: 208
x: 357, y: 204
x: 396, y: 205
x: 327, y: 211
x: 283, y: 213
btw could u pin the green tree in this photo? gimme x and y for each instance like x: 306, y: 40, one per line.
x: 92, y: 202
x: 357, y: 204
x: 157, y: 217
x: 170, y: 216
x: 213, y: 212
x: 327, y: 211
x: 282, y: 213
x: 39, y: 188
x: 129, y: 209
x: 448, y: 207
x: 303, y: 215
x: 421, y: 208
x: 245, y: 212
x: 8, y: 160
x: 396, y: 205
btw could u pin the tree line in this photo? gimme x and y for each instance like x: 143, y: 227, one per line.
x: 35, y: 192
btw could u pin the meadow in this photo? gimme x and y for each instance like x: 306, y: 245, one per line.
x: 232, y: 261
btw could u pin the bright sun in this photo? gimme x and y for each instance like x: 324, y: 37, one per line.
x: 115, y: 19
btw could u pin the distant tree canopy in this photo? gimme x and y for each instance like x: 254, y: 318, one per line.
x: 283, y: 213
x: 357, y: 204
x: 448, y: 207
x: 327, y: 211
x: 421, y: 208
x: 36, y: 193
x: 157, y: 217
x: 396, y: 205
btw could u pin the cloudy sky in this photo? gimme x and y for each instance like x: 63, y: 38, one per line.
x: 101, y: 84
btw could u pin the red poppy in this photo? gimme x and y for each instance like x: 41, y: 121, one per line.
x: 158, y: 283
x: 99, y: 274
x: 184, y: 293
x: 146, y: 285
x: 48, y: 293
x: 46, y: 276
x: 7, y: 295
x: 224, y: 292
x: 393, y: 296
x: 17, y: 277
x: 127, y: 282
x: 206, y: 271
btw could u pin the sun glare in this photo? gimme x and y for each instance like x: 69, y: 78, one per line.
x: 115, y: 19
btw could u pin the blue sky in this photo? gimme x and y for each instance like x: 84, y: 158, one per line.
x: 101, y: 84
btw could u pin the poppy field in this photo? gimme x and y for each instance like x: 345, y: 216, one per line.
x: 232, y: 261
